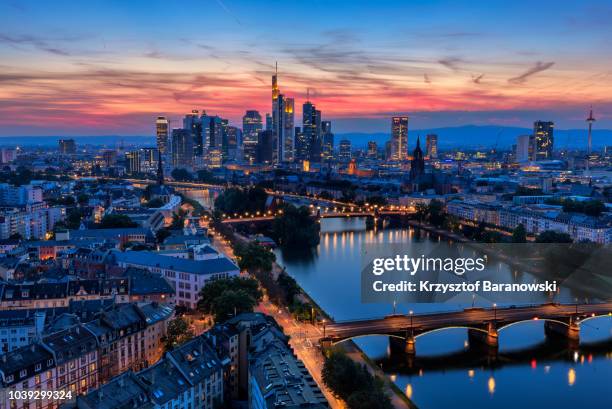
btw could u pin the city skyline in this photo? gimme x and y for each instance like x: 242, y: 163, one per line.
x: 459, y: 66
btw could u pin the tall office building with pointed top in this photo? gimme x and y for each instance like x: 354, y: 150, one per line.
x: 544, y: 139
x: 399, y: 138
x: 162, y: 129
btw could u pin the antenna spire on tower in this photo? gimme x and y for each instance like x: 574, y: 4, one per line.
x: 307, y: 94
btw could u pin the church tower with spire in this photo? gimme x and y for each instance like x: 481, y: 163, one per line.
x: 417, y: 165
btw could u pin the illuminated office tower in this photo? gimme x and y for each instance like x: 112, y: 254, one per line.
x: 234, y: 142
x: 523, y: 148
x: 288, y: 138
x: 327, y: 144
x: 311, y: 127
x: 302, y: 146
x: 182, y: 148
x: 148, y: 160
x: 193, y: 124
x: 431, y: 146
x: 67, y: 146
x: 372, y: 150
x: 212, y: 135
x: 544, y: 139
x: 268, y: 122
x: 344, y: 151
x: 399, y: 138
x: 162, y: 129
x: 132, y: 162
x: 251, y: 126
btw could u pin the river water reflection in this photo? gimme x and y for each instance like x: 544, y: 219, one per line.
x: 527, y: 373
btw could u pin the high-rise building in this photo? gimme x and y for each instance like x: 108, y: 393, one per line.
x: 251, y: 126
x: 234, y: 142
x: 372, y: 150
x: 523, y: 145
x: 399, y: 138
x: 182, y: 148
x: 212, y: 131
x: 302, y: 146
x: 288, y: 138
x: 148, y: 159
x: 162, y: 128
x: 431, y: 146
x: 265, y: 147
x: 193, y: 124
x: 311, y: 127
x: 344, y: 151
x: 544, y: 139
x: 268, y: 122
x: 327, y: 144
x: 132, y: 162
x: 67, y: 146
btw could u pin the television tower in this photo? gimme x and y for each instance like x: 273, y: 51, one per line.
x: 590, y: 121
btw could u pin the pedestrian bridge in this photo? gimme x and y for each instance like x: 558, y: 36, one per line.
x: 483, y: 324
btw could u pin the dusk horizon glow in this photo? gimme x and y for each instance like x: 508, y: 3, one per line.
x: 108, y: 68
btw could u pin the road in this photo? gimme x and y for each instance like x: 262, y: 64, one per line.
x: 304, y: 339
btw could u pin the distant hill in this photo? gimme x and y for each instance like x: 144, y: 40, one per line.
x: 468, y: 136
x: 473, y: 136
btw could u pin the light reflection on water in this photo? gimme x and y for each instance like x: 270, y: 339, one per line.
x: 528, y: 374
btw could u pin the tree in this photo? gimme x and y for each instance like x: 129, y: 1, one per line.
x: 178, y: 219
x: 369, y: 399
x: 239, y: 200
x: 182, y: 175
x: 519, y: 234
x: 421, y: 211
x: 436, y: 213
x: 162, y: 234
x: 295, y: 228
x: 223, y: 297
x: 155, y: 203
x: 551, y: 236
x: 231, y: 303
x: 112, y: 221
x: 177, y: 333
x: 253, y: 257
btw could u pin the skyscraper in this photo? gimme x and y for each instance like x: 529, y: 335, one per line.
x: 182, y: 148
x: 372, y: 150
x: 193, y: 124
x: 251, y: 126
x: 212, y: 134
x: 399, y: 137
x: 523, y: 150
x: 132, y: 162
x: 327, y: 144
x: 311, y: 127
x: 265, y: 147
x: 302, y: 146
x: 67, y: 146
x: 162, y: 127
x: 431, y: 146
x: 288, y: 139
x: 268, y: 122
x: 544, y: 139
x: 344, y: 151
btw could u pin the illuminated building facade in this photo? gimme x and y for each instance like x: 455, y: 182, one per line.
x: 399, y: 138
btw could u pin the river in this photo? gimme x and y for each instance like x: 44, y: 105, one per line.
x: 527, y: 373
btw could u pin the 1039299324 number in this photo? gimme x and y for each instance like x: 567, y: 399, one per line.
x: 40, y: 395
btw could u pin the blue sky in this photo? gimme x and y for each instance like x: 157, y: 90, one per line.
x: 106, y: 67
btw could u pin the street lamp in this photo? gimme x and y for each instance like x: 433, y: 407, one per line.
x: 494, y: 312
x: 411, y: 316
x: 324, y: 321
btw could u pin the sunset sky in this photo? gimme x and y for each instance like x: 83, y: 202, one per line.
x: 110, y: 67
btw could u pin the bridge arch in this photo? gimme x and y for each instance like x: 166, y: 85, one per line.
x: 592, y: 317
x: 503, y: 327
x: 368, y: 335
x: 450, y: 327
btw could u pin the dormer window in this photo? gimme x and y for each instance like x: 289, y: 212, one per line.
x: 37, y: 367
x: 25, y: 293
x: 23, y: 373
